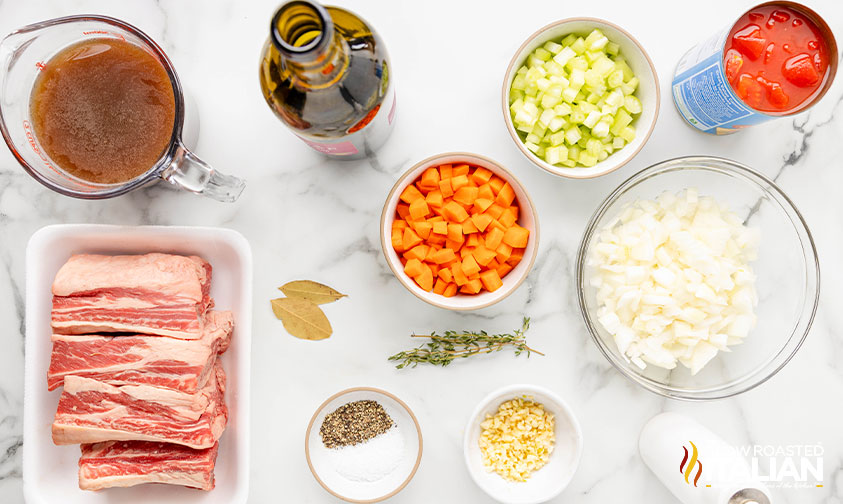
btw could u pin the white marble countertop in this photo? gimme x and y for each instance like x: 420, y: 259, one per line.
x: 308, y: 217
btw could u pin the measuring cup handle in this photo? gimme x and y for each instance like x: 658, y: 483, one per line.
x: 189, y: 172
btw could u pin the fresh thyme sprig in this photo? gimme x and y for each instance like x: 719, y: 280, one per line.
x: 442, y: 350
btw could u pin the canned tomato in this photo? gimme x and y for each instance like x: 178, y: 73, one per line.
x: 776, y: 60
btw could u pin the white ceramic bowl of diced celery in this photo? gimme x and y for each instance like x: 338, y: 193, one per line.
x: 580, y: 97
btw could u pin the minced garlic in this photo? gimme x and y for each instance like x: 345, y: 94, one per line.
x: 518, y: 439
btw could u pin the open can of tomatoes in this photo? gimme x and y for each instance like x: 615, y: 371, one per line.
x: 777, y: 59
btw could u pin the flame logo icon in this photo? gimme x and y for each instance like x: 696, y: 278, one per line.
x: 687, y: 466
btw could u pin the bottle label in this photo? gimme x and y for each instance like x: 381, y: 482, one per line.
x: 333, y: 149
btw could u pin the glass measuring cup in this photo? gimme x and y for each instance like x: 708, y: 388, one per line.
x: 24, y: 52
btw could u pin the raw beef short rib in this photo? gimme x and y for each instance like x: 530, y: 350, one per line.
x: 159, y: 294
x: 129, y: 463
x: 90, y: 411
x: 136, y: 359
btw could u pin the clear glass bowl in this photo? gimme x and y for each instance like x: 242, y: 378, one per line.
x: 787, y: 271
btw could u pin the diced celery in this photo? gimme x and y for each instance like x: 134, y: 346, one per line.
x: 632, y: 104
x: 574, y: 153
x: 620, y: 64
x: 586, y: 107
x: 531, y: 138
x: 615, y: 79
x: 553, y: 47
x: 543, y: 84
x: 608, y: 110
x: 550, y: 101
x: 531, y: 146
x: 556, y: 124
x: 586, y: 136
x: 592, y: 98
x: 534, y: 61
x: 562, y: 109
x: 592, y: 118
x: 618, y: 143
x: 531, y: 108
x: 629, y: 86
x: 628, y: 134
x: 577, y: 79
x: 524, y: 117
x: 603, y: 66
x: 564, y: 56
x: 542, y: 54
x: 593, y: 78
x: 569, y: 94
x: 577, y: 117
x: 547, y: 115
x: 554, y: 90
x: 592, y: 56
x: 579, y: 45
x: 538, y: 130
x: 569, y: 39
x: 524, y: 128
x: 558, y: 138
x: 516, y: 105
x: 551, y: 155
x: 572, y: 135
x: 570, y: 163
x: 596, y: 40
x: 519, y: 82
x: 529, y: 99
x: 540, y: 151
x: 587, y: 159
x: 578, y: 63
x: 594, y: 147
x: 622, y: 119
x: 601, y: 129
x: 602, y: 155
x: 615, y: 98
x: 613, y: 48
x: 554, y: 68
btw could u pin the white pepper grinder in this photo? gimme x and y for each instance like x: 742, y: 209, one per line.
x: 696, y: 465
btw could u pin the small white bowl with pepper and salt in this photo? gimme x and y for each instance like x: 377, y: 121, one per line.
x: 363, y: 445
x: 522, y: 444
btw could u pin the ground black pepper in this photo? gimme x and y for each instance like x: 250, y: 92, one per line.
x: 354, y: 423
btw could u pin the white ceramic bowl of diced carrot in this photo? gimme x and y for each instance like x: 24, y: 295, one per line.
x: 459, y: 231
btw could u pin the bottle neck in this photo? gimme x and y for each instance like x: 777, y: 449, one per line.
x: 303, y: 33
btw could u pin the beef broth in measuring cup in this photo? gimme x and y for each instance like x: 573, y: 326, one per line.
x: 103, y: 109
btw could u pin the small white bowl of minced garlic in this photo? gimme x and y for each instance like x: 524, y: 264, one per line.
x: 515, y: 464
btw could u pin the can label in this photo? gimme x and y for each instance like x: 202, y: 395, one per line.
x: 703, y: 95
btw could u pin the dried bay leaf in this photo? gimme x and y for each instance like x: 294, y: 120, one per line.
x: 310, y: 290
x: 302, y: 318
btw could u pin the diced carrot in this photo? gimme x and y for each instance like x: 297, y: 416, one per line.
x: 454, y: 212
x: 445, y: 274
x: 403, y: 210
x: 411, y: 194
x: 485, y: 192
x: 494, y: 210
x: 482, y: 255
x: 472, y: 287
x: 469, y: 227
x: 497, y: 183
x: 494, y: 238
x: 410, y: 239
x: 515, y: 258
x: 516, y: 211
x: 508, y: 217
x: 434, y: 198
x: 516, y: 236
x: 445, y: 171
x: 503, y: 269
x: 450, y: 290
x: 445, y: 187
x: 399, y: 224
x: 403, y: 261
x: 444, y: 255
x: 504, y: 252
x: 460, y: 277
x: 455, y: 233
x: 397, y: 240
x: 458, y: 181
x: 491, y: 280
x: 481, y: 175
x: 439, y: 287
x: 453, y: 245
x: 419, y: 209
x: 436, y: 239
x: 493, y: 264
x: 470, y: 266
x: 418, y: 252
x: 440, y: 227
x: 465, y: 252
x: 437, y: 211
x: 434, y: 268
x: 413, y: 268
x: 466, y: 195
x: 505, y: 196
x: 425, y: 278
x: 481, y: 204
x: 428, y: 257
x: 461, y: 169
x: 496, y: 224
x: 481, y: 220
x: 473, y: 240
x: 423, y: 229
x: 430, y: 179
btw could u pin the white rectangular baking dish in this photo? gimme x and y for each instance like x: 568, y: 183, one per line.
x: 49, y: 471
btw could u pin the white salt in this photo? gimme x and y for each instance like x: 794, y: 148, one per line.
x: 371, y: 460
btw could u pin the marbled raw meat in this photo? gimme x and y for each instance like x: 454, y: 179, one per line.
x: 90, y: 411
x: 138, y: 359
x: 129, y: 463
x: 160, y: 294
